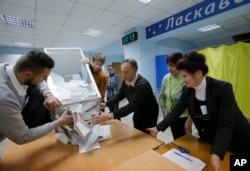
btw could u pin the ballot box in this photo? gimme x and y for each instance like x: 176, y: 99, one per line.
x: 72, y: 82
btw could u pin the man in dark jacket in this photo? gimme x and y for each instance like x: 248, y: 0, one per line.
x: 140, y: 96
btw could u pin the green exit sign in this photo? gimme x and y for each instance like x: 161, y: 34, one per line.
x: 129, y: 38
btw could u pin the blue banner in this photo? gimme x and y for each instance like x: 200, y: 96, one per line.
x: 196, y: 13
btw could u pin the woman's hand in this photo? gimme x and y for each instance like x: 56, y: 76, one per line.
x: 215, y: 162
x: 153, y: 131
x: 188, y: 126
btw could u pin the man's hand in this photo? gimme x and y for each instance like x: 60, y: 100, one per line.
x: 103, y: 117
x: 51, y: 102
x: 65, y: 118
x: 84, y: 61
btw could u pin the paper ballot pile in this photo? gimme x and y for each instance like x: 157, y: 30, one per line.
x: 83, y: 134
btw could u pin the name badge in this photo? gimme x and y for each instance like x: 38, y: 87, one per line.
x: 203, y: 109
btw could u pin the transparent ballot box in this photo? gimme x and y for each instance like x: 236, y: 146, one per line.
x: 72, y: 82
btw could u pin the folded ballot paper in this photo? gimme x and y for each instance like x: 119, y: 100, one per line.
x: 83, y: 134
x: 184, y: 160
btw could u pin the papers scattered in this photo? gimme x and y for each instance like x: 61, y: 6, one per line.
x: 80, y: 125
x: 185, y: 160
x: 85, y: 135
x: 103, y: 131
x: 62, y: 137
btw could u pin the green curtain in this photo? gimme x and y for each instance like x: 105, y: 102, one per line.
x: 231, y: 63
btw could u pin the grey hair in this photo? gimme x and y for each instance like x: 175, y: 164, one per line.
x: 132, y: 63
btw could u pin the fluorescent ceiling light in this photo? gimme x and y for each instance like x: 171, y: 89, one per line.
x: 208, y: 28
x: 23, y: 44
x: 144, y: 1
x: 17, y: 21
x: 92, y: 32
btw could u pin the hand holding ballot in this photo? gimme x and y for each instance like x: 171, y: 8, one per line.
x: 65, y: 118
x: 101, y: 118
x: 82, y: 132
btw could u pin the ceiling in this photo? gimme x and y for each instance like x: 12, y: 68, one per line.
x: 59, y: 23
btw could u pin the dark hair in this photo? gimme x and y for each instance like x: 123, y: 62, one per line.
x: 34, y: 60
x: 110, y: 65
x: 193, y: 62
x: 173, y: 57
x: 132, y: 63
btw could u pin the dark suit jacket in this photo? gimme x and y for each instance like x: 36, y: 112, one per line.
x: 231, y: 129
x: 141, y: 101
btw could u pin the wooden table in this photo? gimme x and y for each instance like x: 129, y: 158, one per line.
x: 148, y: 161
x: 48, y: 154
x: 197, y: 148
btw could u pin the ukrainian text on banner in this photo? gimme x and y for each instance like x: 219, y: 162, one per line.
x: 196, y: 13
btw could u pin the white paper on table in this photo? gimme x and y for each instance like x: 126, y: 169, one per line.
x: 103, y: 131
x: 89, y: 140
x: 185, y: 160
x: 87, y: 136
x: 86, y: 144
x: 94, y: 146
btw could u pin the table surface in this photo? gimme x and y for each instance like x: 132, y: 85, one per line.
x: 198, y: 148
x: 48, y: 154
x: 148, y: 161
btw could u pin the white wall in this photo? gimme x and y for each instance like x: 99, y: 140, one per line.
x: 9, y: 58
